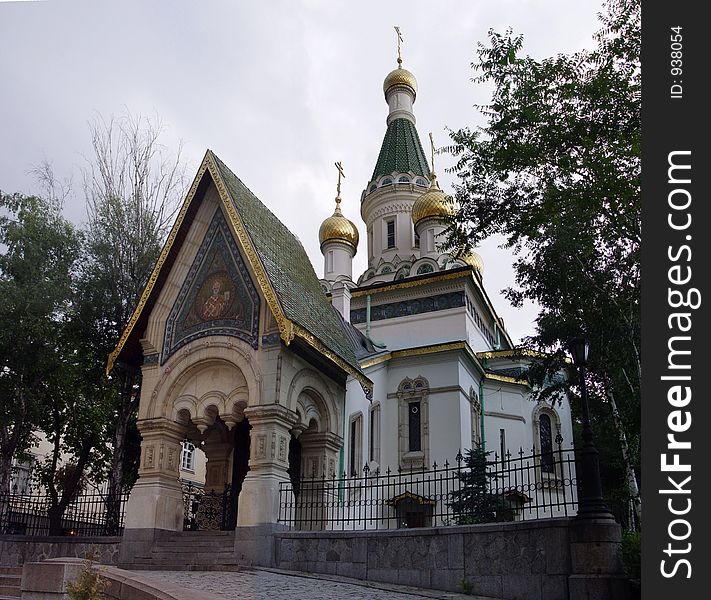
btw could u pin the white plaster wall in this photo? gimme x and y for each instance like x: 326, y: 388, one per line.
x: 393, y: 201
x: 342, y: 260
x: 419, y: 330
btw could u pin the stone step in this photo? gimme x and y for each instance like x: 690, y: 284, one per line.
x: 10, y: 579
x: 181, y: 567
x: 181, y: 535
x: 11, y: 571
x: 186, y: 552
x: 201, y: 545
x: 10, y: 590
x: 172, y: 560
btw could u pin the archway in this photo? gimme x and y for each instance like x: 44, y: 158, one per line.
x: 207, y: 402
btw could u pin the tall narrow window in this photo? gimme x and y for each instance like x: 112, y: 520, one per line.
x: 413, y: 422
x: 417, y: 240
x: 374, y: 434
x: 187, y: 457
x: 502, y: 445
x: 546, y: 433
x: 370, y: 243
x: 390, y: 233
x: 355, y: 449
x: 329, y: 261
x: 430, y: 240
x: 414, y: 425
x: 476, y: 418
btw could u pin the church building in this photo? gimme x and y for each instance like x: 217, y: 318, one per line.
x: 275, y: 373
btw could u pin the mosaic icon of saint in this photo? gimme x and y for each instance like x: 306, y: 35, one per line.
x: 215, y: 305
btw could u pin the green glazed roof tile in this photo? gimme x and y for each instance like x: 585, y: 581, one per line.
x: 289, y: 269
x: 401, y: 151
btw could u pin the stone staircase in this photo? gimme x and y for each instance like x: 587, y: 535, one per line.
x: 190, y: 551
x: 10, y: 579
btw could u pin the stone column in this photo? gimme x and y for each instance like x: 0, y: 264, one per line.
x: 268, y: 462
x: 595, y: 560
x: 319, y: 457
x: 156, y: 501
x: 218, y: 452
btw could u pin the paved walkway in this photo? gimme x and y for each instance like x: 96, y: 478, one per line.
x: 269, y: 584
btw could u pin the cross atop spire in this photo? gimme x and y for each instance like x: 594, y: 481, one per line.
x: 432, y: 149
x: 339, y: 166
x: 399, y: 41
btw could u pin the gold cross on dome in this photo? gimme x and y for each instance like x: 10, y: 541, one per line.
x: 399, y: 40
x: 339, y: 166
x: 432, y: 149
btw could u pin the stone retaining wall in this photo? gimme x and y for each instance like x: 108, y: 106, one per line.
x: 48, y: 580
x: 552, y: 559
x: 15, y: 550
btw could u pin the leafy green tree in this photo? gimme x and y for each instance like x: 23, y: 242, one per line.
x: 556, y: 170
x: 37, y: 265
x: 473, y: 502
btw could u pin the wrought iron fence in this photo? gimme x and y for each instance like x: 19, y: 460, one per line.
x: 86, y: 515
x: 207, y: 509
x: 471, y: 490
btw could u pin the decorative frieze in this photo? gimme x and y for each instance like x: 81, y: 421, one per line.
x: 410, y: 307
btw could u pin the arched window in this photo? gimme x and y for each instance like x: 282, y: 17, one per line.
x: 355, y: 445
x: 476, y: 417
x: 386, y: 181
x: 374, y: 434
x: 404, y: 179
x: 546, y: 440
x: 425, y: 268
x: 413, y: 421
x: 421, y: 182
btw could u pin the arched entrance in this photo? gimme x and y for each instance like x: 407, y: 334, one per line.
x: 202, y: 403
x: 313, y: 453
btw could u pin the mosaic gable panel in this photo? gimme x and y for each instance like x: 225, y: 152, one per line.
x: 217, y: 296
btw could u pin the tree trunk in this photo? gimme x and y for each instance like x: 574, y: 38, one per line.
x: 55, y: 512
x: 5, y: 473
x: 635, y: 497
x: 127, y: 402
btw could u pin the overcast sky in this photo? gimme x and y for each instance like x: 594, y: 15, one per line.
x: 279, y: 90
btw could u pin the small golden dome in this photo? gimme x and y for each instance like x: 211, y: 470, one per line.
x: 475, y: 260
x: 433, y: 204
x: 400, y: 76
x: 338, y: 228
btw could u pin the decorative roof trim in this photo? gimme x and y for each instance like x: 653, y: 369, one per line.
x: 158, y: 266
x: 506, y: 379
x: 320, y: 347
x: 414, y: 281
x: 423, y: 351
x: 286, y: 326
x: 411, y: 282
x: 513, y: 353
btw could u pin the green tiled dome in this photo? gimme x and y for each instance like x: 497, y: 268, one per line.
x: 401, y: 151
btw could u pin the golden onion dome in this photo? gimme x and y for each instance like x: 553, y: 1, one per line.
x: 474, y: 259
x: 400, y: 76
x: 433, y: 204
x: 338, y: 228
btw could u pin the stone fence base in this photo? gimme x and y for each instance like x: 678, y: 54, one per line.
x: 15, y: 550
x: 552, y: 559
